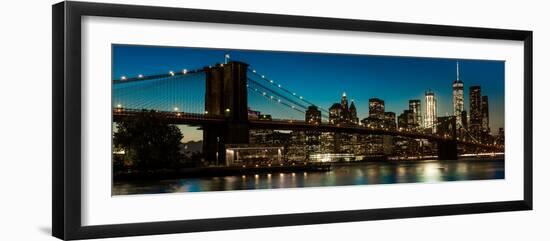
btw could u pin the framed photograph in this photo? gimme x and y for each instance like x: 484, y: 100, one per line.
x: 169, y: 120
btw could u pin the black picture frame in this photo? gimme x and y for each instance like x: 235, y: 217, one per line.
x: 66, y: 47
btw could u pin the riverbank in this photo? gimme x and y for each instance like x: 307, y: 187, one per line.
x: 215, y: 171
x: 221, y: 171
x: 499, y: 158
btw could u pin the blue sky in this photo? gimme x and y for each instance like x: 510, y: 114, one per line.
x: 321, y: 78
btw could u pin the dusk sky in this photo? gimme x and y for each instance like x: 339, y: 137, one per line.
x: 322, y: 78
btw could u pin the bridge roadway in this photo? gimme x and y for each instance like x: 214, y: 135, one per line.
x: 203, y: 119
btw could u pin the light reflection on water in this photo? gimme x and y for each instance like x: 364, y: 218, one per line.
x: 372, y: 173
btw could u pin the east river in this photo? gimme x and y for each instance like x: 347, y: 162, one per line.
x: 339, y: 175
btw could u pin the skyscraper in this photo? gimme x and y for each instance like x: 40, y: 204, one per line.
x: 414, y: 107
x: 313, y: 115
x: 353, y: 113
x: 431, y: 111
x: 458, y: 97
x: 344, y: 101
x: 342, y: 113
x: 376, y: 108
x: 389, y: 120
x: 475, y: 111
x: 485, y: 114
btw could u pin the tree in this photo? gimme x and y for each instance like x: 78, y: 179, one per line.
x: 149, y: 141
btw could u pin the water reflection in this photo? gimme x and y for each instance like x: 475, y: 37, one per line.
x: 373, y: 173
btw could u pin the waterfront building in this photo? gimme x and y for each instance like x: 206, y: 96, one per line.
x: 431, y: 111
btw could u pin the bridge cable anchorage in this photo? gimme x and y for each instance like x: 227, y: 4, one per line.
x: 291, y: 93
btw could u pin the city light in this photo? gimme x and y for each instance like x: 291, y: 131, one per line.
x: 140, y: 76
x: 123, y: 77
x: 184, y: 71
x: 171, y: 73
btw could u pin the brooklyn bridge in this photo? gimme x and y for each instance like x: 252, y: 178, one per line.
x: 218, y: 100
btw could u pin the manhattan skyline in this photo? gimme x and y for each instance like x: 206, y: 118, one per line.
x: 322, y: 78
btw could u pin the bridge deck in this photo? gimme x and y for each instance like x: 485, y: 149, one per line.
x: 202, y: 119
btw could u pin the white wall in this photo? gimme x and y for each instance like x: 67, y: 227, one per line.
x: 25, y: 97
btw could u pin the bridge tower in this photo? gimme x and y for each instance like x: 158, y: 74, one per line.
x: 447, y: 149
x: 226, y: 96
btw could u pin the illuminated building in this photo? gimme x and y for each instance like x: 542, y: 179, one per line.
x: 458, y: 98
x: 376, y: 108
x: 415, y: 108
x: 431, y: 111
x: 313, y: 115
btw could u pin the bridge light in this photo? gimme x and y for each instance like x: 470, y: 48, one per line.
x: 271, y: 97
x: 123, y: 77
x: 227, y: 110
x: 140, y: 76
x: 293, y: 93
x: 279, y: 100
x: 271, y: 81
x: 279, y: 86
x: 253, y: 71
x: 263, y: 76
x: 184, y: 71
x: 171, y: 73
x: 263, y: 93
x: 301, y: 97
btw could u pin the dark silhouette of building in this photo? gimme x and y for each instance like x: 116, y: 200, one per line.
x: 389, y: 120
x: 475, y: 111
x: 353, y: 114
x: 405, y: 120
x: 485, y: 114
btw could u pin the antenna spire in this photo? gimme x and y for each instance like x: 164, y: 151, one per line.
x: 226, y: 58
x: 457, y: 71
